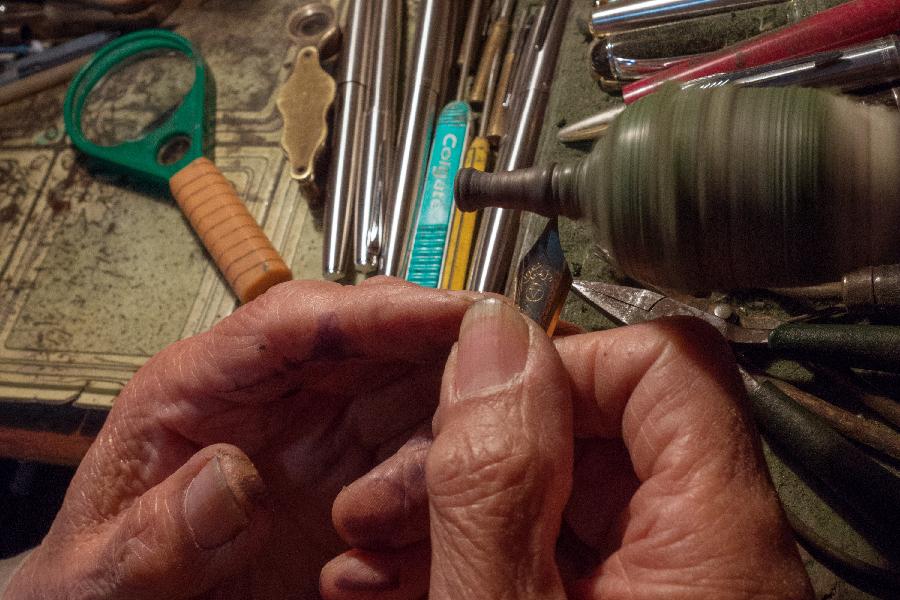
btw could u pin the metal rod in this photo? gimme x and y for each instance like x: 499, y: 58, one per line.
x: 432, y: 43
x: 492, y: 52
x: 634, y: 14
x: 467, y: 49
x: 852, y: 68
x: 380, y: 133
x: 343, y: 179
x: 497, y: 235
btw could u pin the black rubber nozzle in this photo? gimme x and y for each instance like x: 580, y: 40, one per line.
x: 528, y: 189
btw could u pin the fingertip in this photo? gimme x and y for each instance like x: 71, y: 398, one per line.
x: 361, y: 575
x: 223, y: 498
x: 387, y: 508
x: 191, y: 531
x: 493, y: 348
x: 357, y: 574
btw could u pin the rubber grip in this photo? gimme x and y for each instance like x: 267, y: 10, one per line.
x: 848, y: 472
x: 231, y: 235
x: 864, y: 346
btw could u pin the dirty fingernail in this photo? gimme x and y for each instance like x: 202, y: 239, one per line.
x: 220, y: 499
x: 493, y: 346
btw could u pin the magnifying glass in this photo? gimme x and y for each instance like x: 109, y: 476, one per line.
x: 139, y: 107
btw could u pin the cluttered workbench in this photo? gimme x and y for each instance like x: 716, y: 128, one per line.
x: 99, y: 271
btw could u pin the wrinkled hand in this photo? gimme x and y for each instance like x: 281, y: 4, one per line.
x: 215, y: 472
x: 669, y: 493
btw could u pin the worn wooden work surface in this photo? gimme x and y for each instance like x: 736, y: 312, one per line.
x: 97, y: 275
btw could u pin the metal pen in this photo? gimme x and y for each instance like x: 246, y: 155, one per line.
x: 850, y: 23
x: 857, y: 67
x: 634, y: 14
x: 632, y: 69
x: 467, y: 49
x: 854, y: 68
x: 497, y: 124
x: 497, y: 234
x: 493, y: 49
x: 380, y: 133
x: 592, y: 127
x: 432, y: 46
x: 629, y: 55
x: 343, y: 177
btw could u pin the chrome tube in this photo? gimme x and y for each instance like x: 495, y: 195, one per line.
x: 853, y: 68
x: 632, y: 69
x: 531, y: 90
x: 590, y: 128
x: 634, y: 14
x: 432, y: 47
x: 380, y: 133
x: 343, y: 177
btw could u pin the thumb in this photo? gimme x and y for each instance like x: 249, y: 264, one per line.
x: 190, y: 532
x: 500, y: 468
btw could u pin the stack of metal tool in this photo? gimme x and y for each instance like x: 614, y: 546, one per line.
x: 388, y: 197
x: 838, y: 44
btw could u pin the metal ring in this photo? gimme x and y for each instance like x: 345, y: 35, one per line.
x: 314, y: 24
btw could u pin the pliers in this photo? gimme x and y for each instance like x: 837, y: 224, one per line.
x: 874, y: 347
x: 851, y: 474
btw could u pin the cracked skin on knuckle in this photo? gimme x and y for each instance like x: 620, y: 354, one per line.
x: 464, y: 467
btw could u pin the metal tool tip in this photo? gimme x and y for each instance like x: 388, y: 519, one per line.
x: 590, y: 128
x: 577, y: 132
x: 331, y: 274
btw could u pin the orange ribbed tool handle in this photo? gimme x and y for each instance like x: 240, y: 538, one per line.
x: 238, y: 245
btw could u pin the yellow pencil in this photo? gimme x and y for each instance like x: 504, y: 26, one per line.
x: 463, y: 226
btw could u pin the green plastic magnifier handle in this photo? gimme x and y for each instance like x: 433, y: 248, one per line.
x: 853, y: 476
x: 141, y: 156
x: 864, y: 346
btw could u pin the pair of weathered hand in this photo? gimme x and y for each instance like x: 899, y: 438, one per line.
x: 295, y: 447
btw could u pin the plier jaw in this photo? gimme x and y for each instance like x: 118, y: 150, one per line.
x: 629, y: 305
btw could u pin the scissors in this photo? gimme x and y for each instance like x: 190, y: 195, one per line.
x: 848, y: 472
x: 874, y: 347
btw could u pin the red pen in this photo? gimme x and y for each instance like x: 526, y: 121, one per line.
x: 853, y: 22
